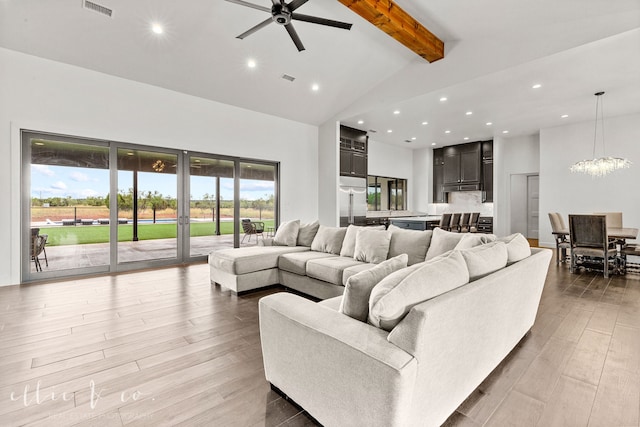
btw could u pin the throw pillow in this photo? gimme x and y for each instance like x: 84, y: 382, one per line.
x: 391, y: 301
x: 307, y: 232
x: 328, y: 239
x: 470, y: 240
x: 517, y: 247
x: 355, y: 301
x: 442, y: 241
x: 287, y: 233
x: 411, y: 242
x: 485, y: 259
x: 372, y: 245
x: 349, y: 242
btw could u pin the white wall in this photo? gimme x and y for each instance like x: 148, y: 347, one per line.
x: 565, y: 192
x: 422, y: 179
x: 43, y: 95
x: 511, y: 156
x: 328, y: 172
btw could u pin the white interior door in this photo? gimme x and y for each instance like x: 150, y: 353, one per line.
x: 533, y: 198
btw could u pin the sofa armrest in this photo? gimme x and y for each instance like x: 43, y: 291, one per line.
x: 341, y: 370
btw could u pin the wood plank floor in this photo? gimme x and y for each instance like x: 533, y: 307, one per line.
x: 164, y: 347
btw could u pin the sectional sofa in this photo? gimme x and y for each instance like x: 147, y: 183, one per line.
x: 318, y: 260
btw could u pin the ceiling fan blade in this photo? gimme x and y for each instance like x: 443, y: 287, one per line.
x: 321, y: 21
x: 296, y: 4
x: 251, y: 5
x: 294, y: 36
x: 256, y: 28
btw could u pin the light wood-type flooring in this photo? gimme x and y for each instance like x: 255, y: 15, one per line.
x: 164, y: 347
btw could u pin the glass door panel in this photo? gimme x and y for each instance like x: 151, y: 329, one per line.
x: 147, y: 205
x: 257, y: 202
x: 211, y: 190
x: 68, y: 206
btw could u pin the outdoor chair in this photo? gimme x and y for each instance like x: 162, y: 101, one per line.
x: 251, y: 228
x: 38, y: 243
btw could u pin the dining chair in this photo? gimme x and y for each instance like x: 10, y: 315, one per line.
x: 562, y: 244
x: 454, y: 225
x: 614, y: 219
x: 588, y: 238
x: 473, y: 222
x: 445, y: 221
x: 464, y: 223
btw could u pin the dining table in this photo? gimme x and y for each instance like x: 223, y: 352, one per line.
x: 623, y: 233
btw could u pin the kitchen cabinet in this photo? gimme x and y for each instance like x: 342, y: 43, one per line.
x: 487, y: 171
x: 353, y: 152
x: 462, y: 164
x: 485, y: 224
x: 439, y: 195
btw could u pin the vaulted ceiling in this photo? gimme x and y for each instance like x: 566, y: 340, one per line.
x: 495, y: 51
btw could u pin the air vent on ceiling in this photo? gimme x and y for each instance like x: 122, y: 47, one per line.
x: 407, y: 140
x: 97, y: 8
x: 288, y: 77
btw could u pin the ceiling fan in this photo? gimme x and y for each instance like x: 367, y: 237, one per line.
x: 283, y: 13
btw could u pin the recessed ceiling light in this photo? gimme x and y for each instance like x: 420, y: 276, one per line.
x: 425, y: 123
x: 251, y: 63
x: 315, y: 87
x: 433, y: 143
x: 389, y: 130
x: 536, y: 86
x: 444, y: 98
x: 466, y: 138
x: 413, y: 138
x: 468, y: 113
x: 489, y: 123
x: 564, y: 116
x: 396, y: 112
x: 157, y: 28
x: 360, y: 122
x: 447, y: 131
x: 505, y: 131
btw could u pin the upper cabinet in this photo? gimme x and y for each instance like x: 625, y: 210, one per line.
x: 462, y: 164
x: 464, y: 167
x: 353, y: 152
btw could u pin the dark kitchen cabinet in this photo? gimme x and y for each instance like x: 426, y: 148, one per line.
x: 353, y: 152
x: 439, y: 195
x: 462, y: 164
x: 487, y: 171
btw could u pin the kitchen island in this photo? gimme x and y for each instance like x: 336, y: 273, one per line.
x: 426, y: 222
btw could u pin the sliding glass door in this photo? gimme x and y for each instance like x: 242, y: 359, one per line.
x: 93, y: 206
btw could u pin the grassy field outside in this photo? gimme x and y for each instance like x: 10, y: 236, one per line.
x: 88, y: 234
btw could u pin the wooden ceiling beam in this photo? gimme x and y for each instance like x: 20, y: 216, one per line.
x: 393, y: 20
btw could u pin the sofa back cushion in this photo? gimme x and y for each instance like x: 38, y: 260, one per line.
x: 328, y: 239
x: 485, y: 259
x: 442, y: 241
x: 355, y: 301
x: 372, y: 245
x: 307, y: 232
x: 411, y: 242
x: 349, y: 242
x: 391, y: 300
x: 287, y: 233
x: 517, y: 247
x: 470, y: 240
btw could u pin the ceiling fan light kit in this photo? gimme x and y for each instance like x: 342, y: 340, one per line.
x: 602, y: 166
x: 282, y: 14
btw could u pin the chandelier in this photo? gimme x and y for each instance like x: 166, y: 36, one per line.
x: 603, y: 165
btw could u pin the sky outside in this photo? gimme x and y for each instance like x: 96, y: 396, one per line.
x: 79, y: 183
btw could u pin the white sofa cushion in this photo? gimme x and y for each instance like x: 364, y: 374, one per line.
x: 517, y: 247
x: 328, y: 239
x: 355, y: 301
x: 287, y: 233
x: 442, y: 241
x: 372, y: 245
x: 353, y: 270
x: 297, y: 262
x: 411, y: 242
x: 485, y: 259
x: 470, y: 240
x: 329, y: 269
x: 391, y: 301
x: 349, y: 242
x: 249, y: 259
x: 307, y: 232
